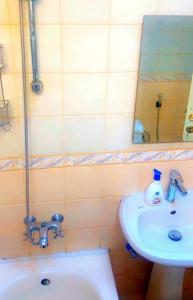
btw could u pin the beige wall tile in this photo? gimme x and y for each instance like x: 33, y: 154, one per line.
x: 13, y: 10
x: 11, y: 217
x: 82, y: 239
x: 131, y: 12
x: 84, y: 94
x: 119, y: 180
x: 84, y: 133
x: 47, y: 135
x: 133, y: 287
x: 182, y: 7
x: 84, y: 48
x: 82, y: 182
x: 12, y: 142
x: 47, y: 185
x: 83, y: 213
x: 85, y: 11
x: 121, y: 90
x: 16, y: 49
x: 49, y: 48
x: 48, y: 12
x: 13, y: 246
x: 50, y: 102
x: 4, y: 16
x: 112, y: 238
x: 44, y: 211
x: 121, y: 262
x: 110, y: 211
x: 124, y: 48
x: 118, y: 134
x: 12, y: 188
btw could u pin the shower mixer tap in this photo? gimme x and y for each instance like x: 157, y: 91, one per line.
x: 42, y: 229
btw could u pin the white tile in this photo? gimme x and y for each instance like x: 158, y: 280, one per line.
x: 124, y: 48
x: 118, y: 132
x: 175, y: 7
x: 84, y: 134
x: 49, y: 48
x: 85, y: 11
x: 84, y: 94
x: 121, y: 92
x: 5, y: 40
x: 16, y: 48
x: 84, y: 48
x: 131, y: 12
x: 12, y: 142
x: 46, y: 136
x: 50, y: 101
x: 48, y: 12
x: 4, y: 15
x: 13, y: 8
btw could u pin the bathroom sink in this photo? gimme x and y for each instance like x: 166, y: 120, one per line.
x: 146, y: 229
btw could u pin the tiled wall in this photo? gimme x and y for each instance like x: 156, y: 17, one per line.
x: 89, y: 52
x: 88, y: 56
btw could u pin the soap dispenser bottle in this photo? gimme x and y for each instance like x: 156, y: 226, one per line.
x: 154, y: 193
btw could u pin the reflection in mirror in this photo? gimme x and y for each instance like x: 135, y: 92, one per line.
x: 164, y: 104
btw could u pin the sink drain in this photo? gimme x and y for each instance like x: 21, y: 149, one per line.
x: 174, y: 235
x: 45, y: 282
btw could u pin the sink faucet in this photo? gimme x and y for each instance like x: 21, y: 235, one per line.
x: 175, y: 183
x: 42, y: 229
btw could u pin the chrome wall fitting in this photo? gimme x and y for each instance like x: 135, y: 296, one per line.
x: 36, y: 85
x: 37, y: 232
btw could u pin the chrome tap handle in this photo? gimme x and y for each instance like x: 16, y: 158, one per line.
x: 176, y: 179
x: 175, y: 175
x: 58, y: 218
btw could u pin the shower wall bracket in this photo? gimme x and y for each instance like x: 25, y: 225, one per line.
x: 36, y: 85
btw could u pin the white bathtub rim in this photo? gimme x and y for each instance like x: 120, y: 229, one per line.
x: 57, y: 255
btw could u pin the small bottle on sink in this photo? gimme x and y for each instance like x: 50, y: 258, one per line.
x: 154, y: 192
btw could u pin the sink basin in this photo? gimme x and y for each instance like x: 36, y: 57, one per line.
x: 146, y: 229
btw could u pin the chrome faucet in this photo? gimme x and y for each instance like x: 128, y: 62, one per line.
x: 42, y: 229
x: 175, y: 183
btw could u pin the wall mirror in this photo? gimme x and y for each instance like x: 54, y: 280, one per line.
x: 164, y: 100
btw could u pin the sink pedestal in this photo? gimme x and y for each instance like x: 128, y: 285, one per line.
x: 166, y: 282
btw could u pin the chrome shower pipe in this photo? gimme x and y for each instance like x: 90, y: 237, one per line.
x: 36, y: 84
x: 25, y: 105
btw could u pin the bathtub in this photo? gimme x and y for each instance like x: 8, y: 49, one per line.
x: 74, y: 276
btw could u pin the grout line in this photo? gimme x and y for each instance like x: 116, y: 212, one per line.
x: 128, y: 114
x: 76, y: 24
x: 107, y: 77
x: 72, y: 73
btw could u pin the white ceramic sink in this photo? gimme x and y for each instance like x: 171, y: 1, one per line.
x: 146, y: 228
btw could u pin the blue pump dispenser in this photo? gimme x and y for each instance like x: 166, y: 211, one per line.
x: 157, y: 175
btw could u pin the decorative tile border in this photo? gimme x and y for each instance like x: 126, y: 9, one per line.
x: 166, y: 77
x: 97, y: 159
